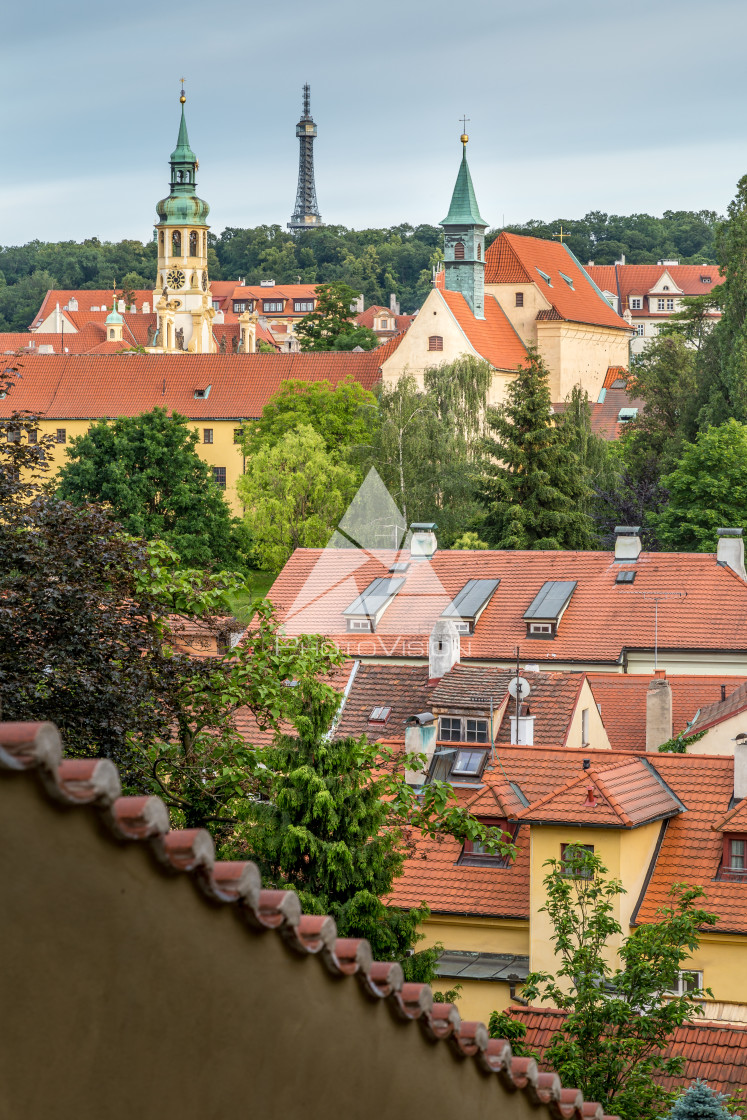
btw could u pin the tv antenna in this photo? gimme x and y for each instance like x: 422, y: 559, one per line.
x: 656, y: 597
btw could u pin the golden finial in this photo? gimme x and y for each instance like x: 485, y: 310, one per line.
x: 182, y: 98
x: 464, y: 137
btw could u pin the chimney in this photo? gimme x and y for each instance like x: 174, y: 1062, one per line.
x: 731, y: 551
x: 423, y: 543
x: 420, y: 738
x: 627, y: 542
x: 393, y: 304
x: 658, y: 714
x: 740, y: 770
x: 443, y: 649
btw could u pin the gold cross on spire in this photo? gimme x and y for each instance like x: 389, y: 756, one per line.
x: 182, y: 80
x: 182, y: 96
x: 563, y: 233
x: 464, y: 137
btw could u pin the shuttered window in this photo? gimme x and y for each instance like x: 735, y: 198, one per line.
x: 435, y: 342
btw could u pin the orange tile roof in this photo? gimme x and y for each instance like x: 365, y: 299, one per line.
x: 403, y: 688
x: 515, y: 259
x: 690, y: 850
x: 624, y: 796
x: 366, y: 318
x: 628, y: 280
x: 735, y: 820
x: 92, y: 787
x: 622, y: 700
x: 90, y: 386
x: 87, y: 299
x: 722, y: 709
x: 715, y: 1053
x: 602, y: 620
x: 613, y: 376
x: 493, y: 337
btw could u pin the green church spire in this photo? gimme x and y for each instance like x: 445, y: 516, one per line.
x: 464, y: 241
x: 183, y: 207
x: 464, y: 210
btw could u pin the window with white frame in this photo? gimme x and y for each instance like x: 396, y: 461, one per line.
x: 468, y: 763
x: 670, y: 305
x: 360, y: 624
x: 660, y: 304
x: 687, y: 981
x: 458, y: 729
x: 636, y: 303
x: 640, y: 330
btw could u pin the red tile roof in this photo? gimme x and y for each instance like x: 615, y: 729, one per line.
x: 622, y: 699
x: 87, y: 299
x: 494, y: 338
x: 366, y: 318
x: 93, y: 786
x: 722, y: 709
x: 624, y: 796
x: 628, y: 280
x: 717, y: 1054
x: 403, y: 688
x: 90, y: 386
x: 735, y: 820
x: 601, y: 622
x: 514, y: 259
x: 690, y: 850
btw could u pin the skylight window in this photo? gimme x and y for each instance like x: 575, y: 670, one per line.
x: 568, y: 280
x: 202, y: 394
x: 626, y: 414
x: 545, y: 277
x: 548, y: 607
x: 370, y: 605
x: 467, y: 606
x: 625, y: 577
x: 379, y: 715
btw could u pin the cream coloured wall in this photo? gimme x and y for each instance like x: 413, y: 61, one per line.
x: 223, y: 452
x: 523, y: 319
x: 625, y: 853
x: 598, y: 738
x: 412, y: 356
x: 719, y: 739
x: 578, y: 354
x: 709, y: 662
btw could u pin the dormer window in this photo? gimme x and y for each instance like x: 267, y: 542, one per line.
x: 734, y: 858
x: 548, y: 607
x: 545, y: 277
x: 705, y: 279
x: 636, y: 303
x: 467, y: 606
x: 368, y: 607
x: 474, y: 854
x: 568, y: 280
x: 468, y: 763
x: 461, y: 729
x: 541, y: 629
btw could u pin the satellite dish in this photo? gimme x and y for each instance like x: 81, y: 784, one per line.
x: 519, y: 688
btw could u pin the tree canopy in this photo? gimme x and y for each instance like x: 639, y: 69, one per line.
x: 146, y: 470
x: 331, y: 325
x: 342, y: 415
x: 535, y: 488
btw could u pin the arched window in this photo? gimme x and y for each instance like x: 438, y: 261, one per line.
x: 204, y: 244
x: 160, y: 239
x: 436, y: 342
x: 179, y: 176
x: 176, y: 243
x: 111, y: 332
x: 187, y: 177
x: 479, y: 252
x: 459, y: 251
x: 193, y: 244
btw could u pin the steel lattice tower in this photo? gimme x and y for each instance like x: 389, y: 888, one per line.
x: 306, y: 213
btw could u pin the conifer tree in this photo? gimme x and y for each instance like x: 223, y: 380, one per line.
x: 701, y: 1102
x: 535, y: 488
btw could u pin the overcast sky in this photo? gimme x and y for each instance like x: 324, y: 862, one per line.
x: 574, y: 105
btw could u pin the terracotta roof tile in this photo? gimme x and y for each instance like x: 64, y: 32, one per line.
x: 722, y: 709
x: 69, y: 386
x: 402, y: 688
x: 600, y: 623
x: 733, y: 821
x: 515, y: 259
x: 493, y: 337
x: 717, y: 1054
x: 622, y: 700
x: 638, y: 279
x: 93, y: 786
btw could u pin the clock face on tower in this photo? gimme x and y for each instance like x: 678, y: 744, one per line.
x: 175, y: 278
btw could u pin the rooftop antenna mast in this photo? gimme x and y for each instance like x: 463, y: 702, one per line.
x: 656, y: 597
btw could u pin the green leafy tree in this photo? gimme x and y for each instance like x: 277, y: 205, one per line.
x: 362, y: 337
x: 470, y: 541
x: 331, y: 825
x: 342, y: 415
x: 700, y: 1102
x: 425, y: 447
x: 295, y: 494
x: 722, y: 359
x: 619, y: 1017
x: 534, y: 489
x: 664, y: 377
x: 20, y: 302
x: 707, y: 489
x: 501, y: 1025
x: 146, y: 470
x: 331, y: 320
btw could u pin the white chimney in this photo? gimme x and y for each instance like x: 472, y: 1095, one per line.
x: 731, y: 551
x: 121, y: 308
x: 627, y: 542
x: 658, y: 714
x: 420, y: 738
x: 72, y: 304
x: 740, y: 770
x: 423, y: 543
x: 146, y: 308
x: 393, y: 304
x: 443, y: 649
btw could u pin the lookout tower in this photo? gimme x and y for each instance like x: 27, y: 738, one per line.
x: 306, y: 214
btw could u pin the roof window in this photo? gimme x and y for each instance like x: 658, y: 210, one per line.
x: 624, y: 577
x: 568, y: 280
x: 545, y: 277
x: 380, y: 715
x: 400, y: 566
x: 465, y: 609
x: 626, y: 414
x: 202, y: 394
x: 370, y: 605
x: 548, y: 607
x: 705, y: 279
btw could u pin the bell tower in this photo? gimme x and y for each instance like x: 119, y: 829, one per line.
x: 464, y: 240
x: 182, y: 297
